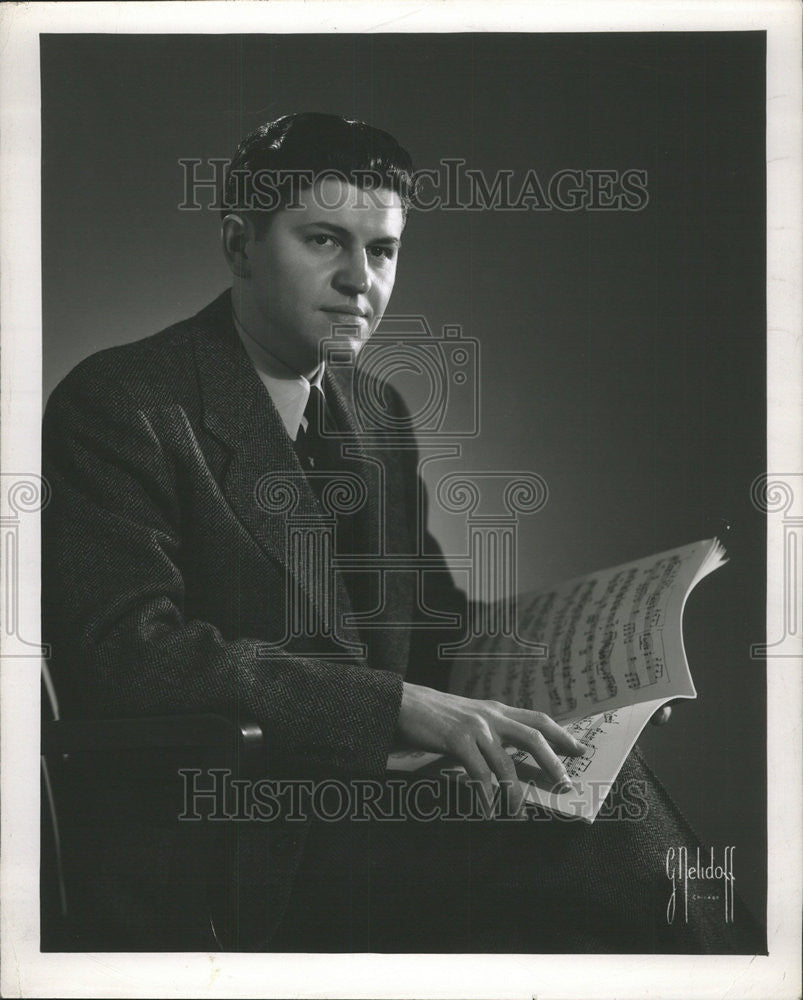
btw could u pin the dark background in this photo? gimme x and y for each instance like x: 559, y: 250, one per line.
x: 622, y: 353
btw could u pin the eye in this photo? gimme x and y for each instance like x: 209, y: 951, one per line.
x: 382, y: 252
x: 322, y: 239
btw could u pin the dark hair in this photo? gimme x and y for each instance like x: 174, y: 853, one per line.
x: 285, y: 156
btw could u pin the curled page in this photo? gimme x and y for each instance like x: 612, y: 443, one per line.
x: 613, y: 638
x: 613, y: 655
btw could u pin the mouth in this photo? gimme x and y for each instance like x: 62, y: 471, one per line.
x: 349, y: 312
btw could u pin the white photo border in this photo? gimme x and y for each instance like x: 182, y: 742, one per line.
x: 28, y: 973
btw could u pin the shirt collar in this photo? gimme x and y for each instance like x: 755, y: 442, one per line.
x: 288, y: 390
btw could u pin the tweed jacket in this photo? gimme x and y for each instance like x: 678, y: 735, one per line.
x: 164, y: 576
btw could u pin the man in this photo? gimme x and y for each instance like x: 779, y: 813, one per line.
x: 167, y: 581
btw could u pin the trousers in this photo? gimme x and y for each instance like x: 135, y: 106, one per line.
x: 538, y: 885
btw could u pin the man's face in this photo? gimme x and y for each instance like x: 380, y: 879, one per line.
x: 330, y: 262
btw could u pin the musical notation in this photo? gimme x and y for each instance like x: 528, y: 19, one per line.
x: 612, y: 639
x: 604, y: 635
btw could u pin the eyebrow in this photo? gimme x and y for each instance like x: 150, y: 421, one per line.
x: 346, y: 233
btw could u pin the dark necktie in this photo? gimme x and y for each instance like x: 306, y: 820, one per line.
x: 320, y: 457
x: 316, y: 452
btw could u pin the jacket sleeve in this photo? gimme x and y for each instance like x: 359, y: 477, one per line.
x: 113, y: 601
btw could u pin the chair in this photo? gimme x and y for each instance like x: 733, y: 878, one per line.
x: 128, y: 755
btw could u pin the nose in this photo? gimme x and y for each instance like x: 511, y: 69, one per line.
x: 354, y: 277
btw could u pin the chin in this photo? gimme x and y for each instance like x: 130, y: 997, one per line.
x: 354, y: 340
x: 357, y: 342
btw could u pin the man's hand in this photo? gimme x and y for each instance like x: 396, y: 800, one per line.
x: 476, y: 732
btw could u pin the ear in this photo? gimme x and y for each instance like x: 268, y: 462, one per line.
x: 236, y: 234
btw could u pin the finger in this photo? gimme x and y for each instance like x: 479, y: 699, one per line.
x: 505, y: 770
x: 662, y: 716
x: 535, y: 743
x: 561, y: 738
x: 474, y: 762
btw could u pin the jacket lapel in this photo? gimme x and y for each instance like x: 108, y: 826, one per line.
x: 382, y: 529
x: 238, y: 412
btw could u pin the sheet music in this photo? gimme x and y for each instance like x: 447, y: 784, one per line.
x: 611, y: 637
x: 610, y: 735
x: 614, y: 656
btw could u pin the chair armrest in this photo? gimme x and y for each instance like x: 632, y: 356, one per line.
x: 244, y: 740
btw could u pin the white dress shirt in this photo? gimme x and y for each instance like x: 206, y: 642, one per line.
x: 288, y: 390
